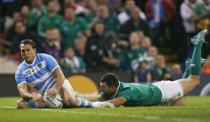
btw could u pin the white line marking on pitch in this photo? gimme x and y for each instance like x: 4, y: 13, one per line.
x: 111, y: 115
x: 10, y: 107
x: 121, y: 116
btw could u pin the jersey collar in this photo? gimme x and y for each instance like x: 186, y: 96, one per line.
x: 116, y: 90
x: 32, y: 63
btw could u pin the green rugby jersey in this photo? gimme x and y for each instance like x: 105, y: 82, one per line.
x: 137, y: 94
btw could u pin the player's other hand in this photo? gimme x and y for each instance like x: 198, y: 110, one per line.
x: 36, y: 96
x: 103, y: 105
x: 52, y: 91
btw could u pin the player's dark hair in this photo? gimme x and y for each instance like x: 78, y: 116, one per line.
x: 110, y: 79
x: 29, y: 42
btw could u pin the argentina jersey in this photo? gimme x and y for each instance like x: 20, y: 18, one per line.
x: 38, y: 75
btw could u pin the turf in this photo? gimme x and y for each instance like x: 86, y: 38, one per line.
x: 196, y: 110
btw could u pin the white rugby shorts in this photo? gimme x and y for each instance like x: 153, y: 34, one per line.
x: 171, y: 90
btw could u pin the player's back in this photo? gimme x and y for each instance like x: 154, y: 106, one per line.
x: 139, y: 94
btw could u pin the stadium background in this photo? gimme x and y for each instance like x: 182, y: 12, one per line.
x: 140, y: 40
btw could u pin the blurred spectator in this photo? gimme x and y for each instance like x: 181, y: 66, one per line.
x: 73, y: 5
x: 202, y: 13
x: 99, y: 55
x: 51, y: 45
x: 73, y: 63
x: 25, y: 12
x: 176, y: 72
x: 152, y: 54
x: 21, y: 33
x: 72, y: 27
x: 134, y: 24
x: 51, y: 19
x: 160, y: 71
x: 126, y: 14
x: 153, y: 51
x: 10, y: 33
x: 11, y: 6
x: 206, y: 66
x: 111, y: 23
x: 159, y: 13
x: 141, y: 35
x: 4, y: 47
x: 142, y: 73
x: 37, y: 11
x: 146, y: 43
x: 90, y: 15
x: 1, y: 19
x: 80, y: 46
x: 129, y: 57
x: 188, y: 17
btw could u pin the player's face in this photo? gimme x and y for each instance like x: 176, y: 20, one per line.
x: 27, y: 52
x: 107, y: 90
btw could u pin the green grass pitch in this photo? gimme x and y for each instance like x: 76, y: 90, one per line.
x: 196, y: 110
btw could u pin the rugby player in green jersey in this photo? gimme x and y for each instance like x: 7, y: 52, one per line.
x: 163, y: 92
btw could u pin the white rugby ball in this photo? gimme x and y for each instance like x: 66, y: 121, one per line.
x: 53, y: 101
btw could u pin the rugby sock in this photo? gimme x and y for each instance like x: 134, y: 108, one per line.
x: 187, y: 69
x: 196, y: 60
x: 31, y: 104
x: 84, y: 103
x: 187, y: 73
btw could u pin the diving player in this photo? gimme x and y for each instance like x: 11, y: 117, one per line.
x: 162, y: 92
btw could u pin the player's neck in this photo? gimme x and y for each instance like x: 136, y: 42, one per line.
x: 31, y: 61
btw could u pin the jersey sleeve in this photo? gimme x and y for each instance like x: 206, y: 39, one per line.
x: 51, y: 63
x: 19, y: 77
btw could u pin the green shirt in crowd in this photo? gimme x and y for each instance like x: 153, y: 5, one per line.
x: 130, y: 57
x: 35, y: 15
x: 47, y: 22
x: 70, y: 31
x: 111, y: 24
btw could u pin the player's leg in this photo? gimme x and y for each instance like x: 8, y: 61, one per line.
x: 172, y: 91
x: 179, y: 102
x: 187, y: 73
x: 195, y: 64
x: 70, y: 100
x: 68, y: 95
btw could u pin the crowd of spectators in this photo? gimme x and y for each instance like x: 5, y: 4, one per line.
x: 148, y: 38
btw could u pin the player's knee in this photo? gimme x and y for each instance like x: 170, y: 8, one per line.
x: 21, y: 104
x: 179, y: 102
x: 182, y: 102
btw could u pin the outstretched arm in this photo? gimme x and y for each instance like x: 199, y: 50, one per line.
x: 117, y: 101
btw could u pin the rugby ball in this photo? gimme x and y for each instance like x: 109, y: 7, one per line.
x: 53, y: 101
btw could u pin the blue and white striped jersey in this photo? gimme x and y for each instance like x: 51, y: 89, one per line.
x: 38, y: 75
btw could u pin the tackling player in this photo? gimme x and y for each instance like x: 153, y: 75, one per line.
x: 42, y: 73
x: 163, y: 92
